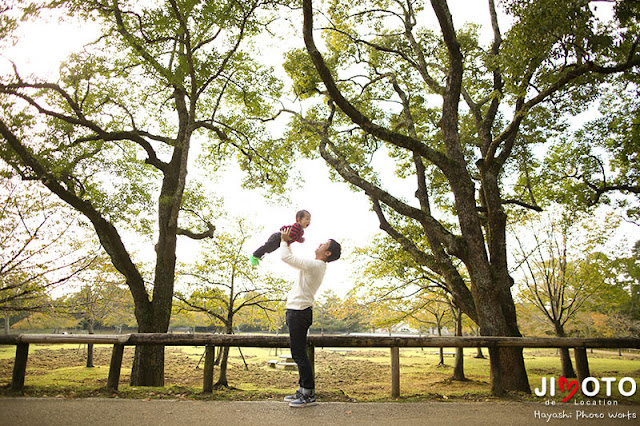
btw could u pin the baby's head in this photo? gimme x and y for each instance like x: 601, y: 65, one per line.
x: 303, y: 217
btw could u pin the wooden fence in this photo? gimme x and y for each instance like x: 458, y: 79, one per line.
x: 210, y: 341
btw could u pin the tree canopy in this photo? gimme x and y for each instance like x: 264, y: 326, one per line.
x: 113, y: 136
x: 464, y: 121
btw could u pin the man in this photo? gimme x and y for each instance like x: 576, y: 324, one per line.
x: 299, y: 311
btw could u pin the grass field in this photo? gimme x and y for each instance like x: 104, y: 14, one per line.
x: 357, y: 375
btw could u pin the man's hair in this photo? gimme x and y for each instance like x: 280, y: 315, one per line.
x: 335, y: 249
x: 300, y: 214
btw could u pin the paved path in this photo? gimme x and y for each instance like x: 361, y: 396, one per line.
x: 103, y: 411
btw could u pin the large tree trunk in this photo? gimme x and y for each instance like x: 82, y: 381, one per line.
x: 512, y: 360
x: 492, y: 284
x: 148, y: 363
x: 513, y: 372
x: 148, y: 366
x: 153, y: 317
x: 497, y: 317
x: 148, y: 360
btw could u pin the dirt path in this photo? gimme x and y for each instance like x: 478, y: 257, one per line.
x: 102, y: 411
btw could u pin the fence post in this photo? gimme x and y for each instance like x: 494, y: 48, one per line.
x: 20, y: 366
x: 395, y: 372
x: 582, y: 366
x: 115, y: 367
x: 311, y: 353
x: 209, y: 359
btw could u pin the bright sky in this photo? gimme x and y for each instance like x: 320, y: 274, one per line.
x: 336, y: 211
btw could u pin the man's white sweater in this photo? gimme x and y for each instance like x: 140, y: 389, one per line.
x: 302, y: 293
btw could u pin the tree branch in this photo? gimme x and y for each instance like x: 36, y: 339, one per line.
x: 198, y: 236
x: 107, y: 233
x: 353, y: 113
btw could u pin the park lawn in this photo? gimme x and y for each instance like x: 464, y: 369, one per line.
x: 67, y: 377
x: 362, y: 374
x: 7, y: 352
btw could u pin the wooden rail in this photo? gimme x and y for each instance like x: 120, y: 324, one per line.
x: 22, y: 342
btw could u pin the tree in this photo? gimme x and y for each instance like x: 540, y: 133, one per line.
x: 604, y: 152
x: 50, y: 319
x: 336, y: 315
x: 101, y: 298
x: 458, y: 118
x: 434, y: 310
x: 613, y: 309
x: 327, y: 311
x: 225, y: 283
x: 114, y: 136
x: 532, y: 321
x: 562, y: 269
x: 188, y: 320
x: 626, y: 297
x: 613, y: 325
x: 414, y: 292
x: 40, y: 247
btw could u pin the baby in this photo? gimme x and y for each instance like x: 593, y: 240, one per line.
x: 296, y: 232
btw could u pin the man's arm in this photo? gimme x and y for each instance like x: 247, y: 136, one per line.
x: 287, y: 256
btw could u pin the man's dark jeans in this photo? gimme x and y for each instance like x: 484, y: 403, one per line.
x: 299, y: 323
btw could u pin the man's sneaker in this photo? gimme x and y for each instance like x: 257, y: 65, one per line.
x: 291, y: 398
x: 304, y: 401
x: 254, y: 260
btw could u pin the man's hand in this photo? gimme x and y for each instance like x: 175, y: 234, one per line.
x: 284, y: 234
